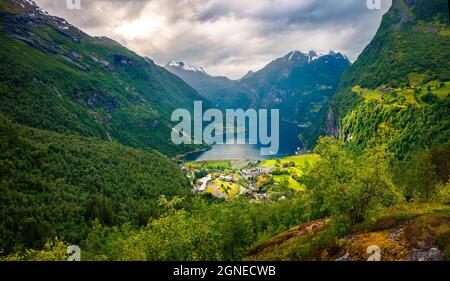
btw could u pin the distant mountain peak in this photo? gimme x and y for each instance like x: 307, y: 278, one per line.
x: 249, y: 73
x: 295, y: 56
x: 186, y: 67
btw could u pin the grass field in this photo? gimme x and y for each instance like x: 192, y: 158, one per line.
x: 292, y: 183
x: 404, y: 96
x: 230, y: 190
x: 367, y: 94
x: 210, y: 164
x: 299, y: 160
x: 440, y: 92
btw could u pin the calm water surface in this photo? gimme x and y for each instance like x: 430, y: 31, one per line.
x: 288, y: 145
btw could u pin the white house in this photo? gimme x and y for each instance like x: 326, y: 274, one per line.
x: 226, y: 178
x: 203, y: 183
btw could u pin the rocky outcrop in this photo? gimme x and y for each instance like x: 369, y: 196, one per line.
x: 331, y: 128
x: 124, y: 61
x: 432, y: 254
x: 423, y: 237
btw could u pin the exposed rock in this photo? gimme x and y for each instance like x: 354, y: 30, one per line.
x: 391, y: 248
x: 113, y: 104
x: 124, y: 60
x: 331, y: 128
x: 395, y: 235
x: 93, y: 100
x: 432, y: 254
x: 431, y: 28
x: 155, y: 123
x: 403, y: 18
x: 344, y: 258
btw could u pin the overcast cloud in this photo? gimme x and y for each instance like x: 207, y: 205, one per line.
x: 226, y: 37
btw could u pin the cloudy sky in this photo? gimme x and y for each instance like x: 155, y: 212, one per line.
x: 226, y: 37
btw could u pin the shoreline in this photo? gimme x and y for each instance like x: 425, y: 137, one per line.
x: 241, y: 159
x: 180, y: 157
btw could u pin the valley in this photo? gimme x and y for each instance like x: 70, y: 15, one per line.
x: 87, y: 156
x: 299, y: 84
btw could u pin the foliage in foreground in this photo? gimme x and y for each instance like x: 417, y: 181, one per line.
x: 353, y: 189
x: 349, y: 187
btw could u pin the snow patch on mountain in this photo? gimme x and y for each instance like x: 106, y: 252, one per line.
x: 187, y: 67
x: 312, y: 55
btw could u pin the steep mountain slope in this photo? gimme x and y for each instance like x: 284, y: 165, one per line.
x: 57, y: 185
x: 397, y: 92
x: 299, y: 84
x: 53, y: 76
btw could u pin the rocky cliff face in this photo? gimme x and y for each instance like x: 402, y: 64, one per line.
x: 331, y: 127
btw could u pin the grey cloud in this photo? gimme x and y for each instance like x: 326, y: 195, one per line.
x: 226, y: 37
x: 95, y: 13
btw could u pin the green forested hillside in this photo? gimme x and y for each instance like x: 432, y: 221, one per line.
x: 397, y: 91
x: 55, y: 77
x: 57, y: 185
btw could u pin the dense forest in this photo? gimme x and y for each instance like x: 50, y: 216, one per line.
x: 57, y: 185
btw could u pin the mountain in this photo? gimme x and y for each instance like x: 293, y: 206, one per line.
x: 397, y: 92
x: 299, y: 84
x: 221, y: 91
x: 53, y: 76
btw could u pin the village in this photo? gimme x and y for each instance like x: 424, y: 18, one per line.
x: 257, y: 180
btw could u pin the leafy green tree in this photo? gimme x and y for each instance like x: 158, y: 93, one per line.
x: 54, y: 250
x: 349, y: 187
x: 421, y: 176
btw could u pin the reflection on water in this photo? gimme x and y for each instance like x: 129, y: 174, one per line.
x: 288, y: 145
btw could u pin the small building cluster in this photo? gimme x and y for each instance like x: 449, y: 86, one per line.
x: 254, y: 172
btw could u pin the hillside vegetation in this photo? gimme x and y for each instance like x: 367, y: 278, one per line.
x: 397, y: 92
x: 55, y: 77
x: 406, y: 232
x: 57, y: 185
x: 356, y: 200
